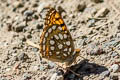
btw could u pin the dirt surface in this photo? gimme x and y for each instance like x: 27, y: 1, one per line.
x: 93, y: 24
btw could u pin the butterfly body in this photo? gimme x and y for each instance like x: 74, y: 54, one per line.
x: 56, y: 43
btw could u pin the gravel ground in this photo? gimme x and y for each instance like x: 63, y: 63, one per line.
x: 93, y: 24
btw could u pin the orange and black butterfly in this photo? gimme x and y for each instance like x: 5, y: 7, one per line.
x: 56, y: 43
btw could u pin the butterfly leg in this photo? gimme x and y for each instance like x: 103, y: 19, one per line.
x: 67, y: 68
x: 73, y: 72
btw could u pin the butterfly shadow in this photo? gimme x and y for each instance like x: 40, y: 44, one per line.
x: 84, y: 68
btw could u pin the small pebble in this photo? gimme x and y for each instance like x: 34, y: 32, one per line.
x: 94, y: 49
x: 39, y: 26
x: 91, y: 23
x: 102, y: 12
x: 26, y: 76
x: 61, y: 9
x: 35, y: 49
x: 28, y: 13
x: 18, y: 4
x: 21, y: 56
x: 55, y: 76
x: 28, y: 36
x: 114, y: 68
x: 33, y: 68
x: 35, y: 16
x: 35, y: 5
x: 104, y: 74
x: 42, y: 68
x: 51, y: 64
x: 42, y: 6
x: 8, y: 69
x: 19, y: 27
x: 71, y: 76
x: 97, y: 1
x: 114, y: 78
x: 118, y: 35
x: 114, y: 54
x: 81, y: 7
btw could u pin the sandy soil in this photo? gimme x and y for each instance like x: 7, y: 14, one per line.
x: 93, y: 24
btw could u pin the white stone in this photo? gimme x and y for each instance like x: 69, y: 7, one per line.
x: 114, y: 68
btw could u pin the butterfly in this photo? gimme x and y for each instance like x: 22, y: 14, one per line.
x: 56, y: 43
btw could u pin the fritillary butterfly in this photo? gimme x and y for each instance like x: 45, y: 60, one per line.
x: 56, y: 43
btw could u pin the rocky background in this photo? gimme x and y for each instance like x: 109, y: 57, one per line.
x: 95, y: 28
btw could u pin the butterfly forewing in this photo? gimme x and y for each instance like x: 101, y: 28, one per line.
x: 53, y: 17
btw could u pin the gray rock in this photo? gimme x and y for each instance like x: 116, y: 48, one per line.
x: 28, y: 36
x: 95, y: 49
x: 91, y: 23
x: 21, y: 56
x: 114, y: 54
x: 18, y: 4
x: 71, y: 76
x: 51, y: 64
x: 39, y: 26
x: 42, y: 68
x: 19, y: 27
x: 26, y: 76
x: 104, y: 74
x: 114, y: 68
x: 35, y: 49
x: 28, y: 13
x: 81, y: 7
x: 97, y: 1
x: 114, y: 77
x: 55, y: 76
